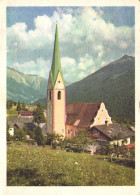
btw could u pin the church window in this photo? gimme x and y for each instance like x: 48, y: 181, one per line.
x: 59, y: 95
x: 68, y: 131
x: 49, y: 95
x: 75, y: 132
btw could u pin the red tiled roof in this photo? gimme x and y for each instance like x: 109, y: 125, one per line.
x: 85, y: 112
x: 25, y: 113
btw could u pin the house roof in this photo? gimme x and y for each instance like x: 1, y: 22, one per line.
x: 81, y: 114
x: 42, y: 125
x: 26, y: 113
x: 56, y: 62
x: 30, y: 125
x: 19, y: 125
x: 114, y: 129
x: 18, y: 120
x: 21, y: 122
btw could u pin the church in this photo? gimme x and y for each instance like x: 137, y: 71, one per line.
x: 69, y: 119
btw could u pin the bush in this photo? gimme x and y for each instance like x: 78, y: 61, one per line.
x: 54, y: 139
x: 79, y: 143
x: 31, y: 134
x: 116, y: 151
x: 54, y: 145
x: 50, y: 138
x: 19, y: 134
x: 63, y: 143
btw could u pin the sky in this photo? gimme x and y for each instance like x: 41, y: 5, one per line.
x: 89, y: 37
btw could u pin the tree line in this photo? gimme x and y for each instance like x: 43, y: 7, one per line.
x: 20, y: 105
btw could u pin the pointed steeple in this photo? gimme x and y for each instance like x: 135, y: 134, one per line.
x: 56, y: 61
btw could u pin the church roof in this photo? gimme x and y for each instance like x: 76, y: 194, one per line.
x: 81, y: 114
x: 56, y: 61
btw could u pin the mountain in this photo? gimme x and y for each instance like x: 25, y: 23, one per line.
x: 27, y: 88
x: 113, y: 84
x: 23, y: 87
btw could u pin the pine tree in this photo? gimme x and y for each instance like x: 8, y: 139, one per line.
x: 9, y: 104
x: 23, y: 106
x: 39, y: 136
x: 39, y: 114
x: 18, y: 106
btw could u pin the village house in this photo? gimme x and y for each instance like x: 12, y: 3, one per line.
x: 25, y: 113
x: 115, y: 133
x: 21, y: 122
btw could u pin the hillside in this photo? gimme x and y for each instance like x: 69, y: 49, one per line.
x: 22, y: 87
x: 113, y: 84
x: 27, y: 88
x: 28, y: 165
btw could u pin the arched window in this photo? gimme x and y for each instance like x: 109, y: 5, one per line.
x: 75, y: 132
x: 59, y: 95
x: 49, y: 95
x: 68, y: 131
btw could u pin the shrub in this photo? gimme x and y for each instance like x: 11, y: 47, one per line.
x: 54, y: 138
x: 50, y: 138
x: 54, y: 145
x: 79, y: 143
x: 19, y: 134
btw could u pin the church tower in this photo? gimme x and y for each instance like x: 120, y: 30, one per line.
x: 56, y: 113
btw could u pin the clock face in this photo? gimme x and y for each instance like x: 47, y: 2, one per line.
x: 60, y: 85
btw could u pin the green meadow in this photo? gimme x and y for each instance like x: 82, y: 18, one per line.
x: 29, y: 165
x: 12, y: 112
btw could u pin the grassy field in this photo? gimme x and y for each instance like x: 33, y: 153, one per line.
x: 13, y: 111
x: 37, y: 166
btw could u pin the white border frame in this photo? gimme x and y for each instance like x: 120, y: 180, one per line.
x: 66, y: 190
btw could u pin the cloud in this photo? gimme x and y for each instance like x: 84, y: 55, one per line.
x: 87, y: 42
x: 81, y: 75
x: 123, y: 45
x: 40, y: 67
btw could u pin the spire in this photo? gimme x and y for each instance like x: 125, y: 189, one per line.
x: 56, y: 61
